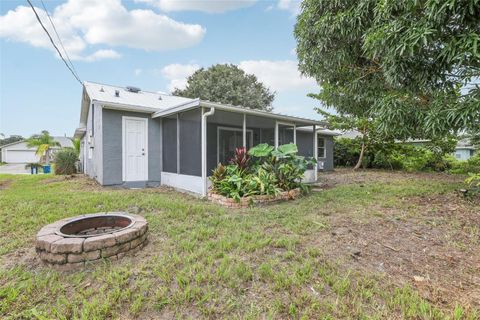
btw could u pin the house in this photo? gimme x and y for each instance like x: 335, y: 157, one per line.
x: 135, y: 138
x: 19, y: 152
x: 464, y: 150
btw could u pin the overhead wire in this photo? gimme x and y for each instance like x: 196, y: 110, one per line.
x: 53, y: 42
x: 59, y: 39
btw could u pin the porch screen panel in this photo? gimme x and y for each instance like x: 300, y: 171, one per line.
x: 224, y: 134
x: 305, y: 144
x: 263, y: 129
x: 285, y: 134
x: 191, y: 142
x: 169, y: 144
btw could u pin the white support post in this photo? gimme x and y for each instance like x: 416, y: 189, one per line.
x: 315, y: 152
x: 244, y: 132
x: 294, y: 133
x: 276, y: 134
x: 204, y: 148
x: 178, y: 144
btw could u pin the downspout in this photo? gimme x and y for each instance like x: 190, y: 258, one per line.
x: 204, y: 149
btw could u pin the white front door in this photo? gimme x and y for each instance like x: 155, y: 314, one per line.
x: 135, y: 147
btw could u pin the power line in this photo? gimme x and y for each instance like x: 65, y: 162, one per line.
x: 53, y: 43
x: 58, y: 37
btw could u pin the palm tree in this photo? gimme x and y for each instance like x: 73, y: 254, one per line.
x: 76, y: 145
x: 43, y: 142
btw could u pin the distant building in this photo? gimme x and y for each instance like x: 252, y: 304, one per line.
x: 18, y: 152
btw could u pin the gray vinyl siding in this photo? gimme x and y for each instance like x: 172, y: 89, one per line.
x: 94, y: 166
x: 112, y: 147
x: 328, y: 159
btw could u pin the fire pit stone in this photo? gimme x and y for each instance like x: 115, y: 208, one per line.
x: 72, y: 242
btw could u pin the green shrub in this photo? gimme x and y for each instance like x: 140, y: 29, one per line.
x: 398, y: 156
x: 473, y: 185
x: 268, y: 172
x: 65, y: 161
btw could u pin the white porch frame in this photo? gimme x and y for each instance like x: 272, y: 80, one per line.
x: 291, y: 124
x: 244, y: 137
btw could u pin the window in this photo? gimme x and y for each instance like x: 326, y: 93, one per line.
x: 321, y: 147
x: 90, y: 153
x: 458, y: 155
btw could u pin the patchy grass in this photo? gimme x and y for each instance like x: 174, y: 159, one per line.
x: 346, y: 252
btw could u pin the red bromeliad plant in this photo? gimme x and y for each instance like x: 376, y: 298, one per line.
x: 241, y: 158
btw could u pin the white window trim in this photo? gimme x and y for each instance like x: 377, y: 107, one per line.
x: 124, y: 158
x: 324, y: 148
x: 230, y: 129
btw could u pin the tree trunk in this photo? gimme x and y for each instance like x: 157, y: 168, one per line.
x: 47, y: 157
x: 360, y: 158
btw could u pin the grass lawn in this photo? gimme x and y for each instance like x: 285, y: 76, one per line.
x: 370, y: 245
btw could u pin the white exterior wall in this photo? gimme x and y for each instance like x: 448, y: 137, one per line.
x: 182, y: 182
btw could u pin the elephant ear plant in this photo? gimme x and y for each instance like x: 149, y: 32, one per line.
x: 263, y: 170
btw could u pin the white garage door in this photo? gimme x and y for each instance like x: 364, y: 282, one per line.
x: 20, y: 156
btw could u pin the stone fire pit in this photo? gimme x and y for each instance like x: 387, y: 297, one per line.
x: 72, y: 242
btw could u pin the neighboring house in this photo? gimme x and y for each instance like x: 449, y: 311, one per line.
x: 18, y: 152
x: 464, y: 150
x: 135, y: 138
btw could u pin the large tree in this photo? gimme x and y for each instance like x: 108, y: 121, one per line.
x: 226, y: 83
x: 409, y: 65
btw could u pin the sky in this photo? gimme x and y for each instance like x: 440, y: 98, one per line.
x: 151, y: 44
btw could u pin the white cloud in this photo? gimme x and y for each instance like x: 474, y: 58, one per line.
x: 82, y: 24
x: 280, y: 75
x: 290, y: 5
x: 103, y: 54
x: 138, y: 71
x: 177, y: 74
x: 209, y: 6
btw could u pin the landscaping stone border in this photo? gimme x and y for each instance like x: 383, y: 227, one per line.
x: 252, y: 200
x: 67, y: 253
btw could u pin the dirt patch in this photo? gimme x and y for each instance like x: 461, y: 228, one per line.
x: 4, y: 184
x: 346, y: 176
x: 430, y: 242
x: 63, y: 178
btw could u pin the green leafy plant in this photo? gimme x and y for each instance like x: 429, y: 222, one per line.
x: 65, y: 161
x: 473, y: 185
x: 271, y: 171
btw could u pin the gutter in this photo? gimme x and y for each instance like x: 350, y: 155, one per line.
x: 204, y: 149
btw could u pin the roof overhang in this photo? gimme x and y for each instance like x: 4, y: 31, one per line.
x: 80, y: 132
x: 124, y: 107
x: 178, y: 108
x: 218, y: 106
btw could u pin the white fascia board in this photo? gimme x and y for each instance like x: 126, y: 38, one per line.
x: 79, y: 132
x: 178, y: 108
x: 124, y: 107
x: 260, y: 113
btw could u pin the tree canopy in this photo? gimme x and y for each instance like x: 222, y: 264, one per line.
x: 411, y: 66
x: 10, y: 139
x: 228, y: 84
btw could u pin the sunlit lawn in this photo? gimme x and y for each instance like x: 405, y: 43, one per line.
x: 203, y: 261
